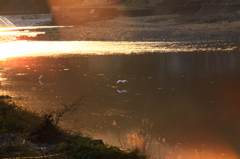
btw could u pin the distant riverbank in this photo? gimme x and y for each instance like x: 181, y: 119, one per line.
x: 171, y: 27
x: 224, y: 27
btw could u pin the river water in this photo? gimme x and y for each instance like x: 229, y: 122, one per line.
x: 184, y: 93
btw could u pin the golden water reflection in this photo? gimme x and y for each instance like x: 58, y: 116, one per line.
x: 51, y: 48
x: 30, y: 27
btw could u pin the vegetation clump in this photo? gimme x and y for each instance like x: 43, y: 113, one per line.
x: 25, y: 133
x: 16, y: 150
x: 82, y: 147
x: 14, y: 119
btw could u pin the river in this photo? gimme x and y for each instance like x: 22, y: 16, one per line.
x: 182, y: 92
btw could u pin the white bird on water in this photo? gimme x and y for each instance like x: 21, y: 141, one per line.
x: 122, y: 91
x: 123, y: 81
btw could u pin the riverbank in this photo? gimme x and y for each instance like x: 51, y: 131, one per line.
x: 171, y: 27
x: 27, y: 134
x: 223, y: 27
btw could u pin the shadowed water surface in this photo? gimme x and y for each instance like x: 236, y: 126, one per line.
x: 189, y: 91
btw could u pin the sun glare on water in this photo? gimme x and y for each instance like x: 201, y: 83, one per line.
x: 50, y: 48
x: 12, y: 49
x: 24, y: 48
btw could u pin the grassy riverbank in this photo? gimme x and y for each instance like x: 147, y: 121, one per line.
x: 26, y: 134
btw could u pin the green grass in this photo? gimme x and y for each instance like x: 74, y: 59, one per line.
x: 82, y: 147
x: 16, y: 150
x: 24, y: 124
x: 14, y: 119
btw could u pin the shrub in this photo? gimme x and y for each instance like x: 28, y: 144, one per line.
x: 15, y: 119
x: 142, y: 140
x: 47, y: 132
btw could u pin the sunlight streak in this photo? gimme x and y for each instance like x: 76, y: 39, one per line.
x: 30, y: 27
x: 51, y: 48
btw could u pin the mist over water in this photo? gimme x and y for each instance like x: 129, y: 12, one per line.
x: 190, y: 95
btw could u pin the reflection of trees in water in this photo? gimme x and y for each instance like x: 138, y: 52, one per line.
x: 189, y: 104
x: 188, y: 96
